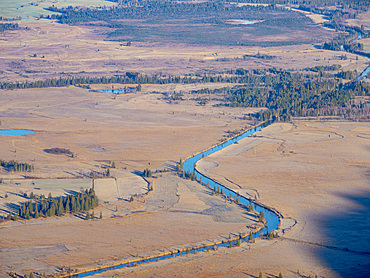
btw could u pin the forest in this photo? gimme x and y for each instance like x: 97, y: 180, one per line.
x: 16, y: 166
x: 196, y: 23
x: 47, y: 207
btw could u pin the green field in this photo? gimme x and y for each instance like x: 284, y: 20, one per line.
x: 28, y: 11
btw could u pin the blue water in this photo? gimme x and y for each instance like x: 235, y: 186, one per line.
x: 16, y: 132
x: 112, y: 91
x: 189, y: 166
x: 247, y: 22
x: 364, y: 74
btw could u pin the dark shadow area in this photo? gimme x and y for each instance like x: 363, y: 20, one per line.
x: 13, y: 208
x: 348, y: 231
x: 138, y: 173
x: 71, y: 192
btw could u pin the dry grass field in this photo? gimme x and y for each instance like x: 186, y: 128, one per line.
x: 63, y: 51
x: 315, y: 173
x: 177, y: 213
x: 362, y: 20
x: 135, y: 130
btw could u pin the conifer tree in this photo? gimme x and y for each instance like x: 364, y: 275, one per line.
x: 261, y: 217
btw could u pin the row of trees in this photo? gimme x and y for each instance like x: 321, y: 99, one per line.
x: 147, y: 173
x: 316, y: 5
x: 8, y: 26
x: 239, y: 75
x: 16, y: 166
x: 59, y: 206
x: 128, y: 78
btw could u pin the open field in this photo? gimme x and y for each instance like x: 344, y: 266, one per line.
x: 177, y: 213
x: 315, y: 173
x: 30, y: 11
x: 63, y: 51
x: 136, y: 130
x: 362, y: 19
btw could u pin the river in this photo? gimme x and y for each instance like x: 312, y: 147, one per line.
x: 272, y: 219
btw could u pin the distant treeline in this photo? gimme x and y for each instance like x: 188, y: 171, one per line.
x: 237, y: 76
x: 157, y: 10
x: 311, y: 5
x: 324, y: 68
x: 129, y: 78
x: 259, y: 56
x: 8, y: 26
x: 2, y: 18
x: 58, y: 206
x: 16, y: 166
x: 58, y: 151
x: 317, y: 91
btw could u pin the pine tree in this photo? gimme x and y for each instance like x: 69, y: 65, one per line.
x: 261, y: 217
x: 31, y: 275
x: 280, y: 275
x: 68, y: 207
x: 260, y: 275
x: 87, y: 216
x: 101, y: 215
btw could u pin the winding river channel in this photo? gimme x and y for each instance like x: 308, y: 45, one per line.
x: 272, y: 219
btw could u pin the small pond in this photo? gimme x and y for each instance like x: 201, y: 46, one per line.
x: 16, y: 132
x: 242, y: 21
x: 112, y: 91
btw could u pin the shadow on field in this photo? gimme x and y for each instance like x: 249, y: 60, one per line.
x: 349, y: 230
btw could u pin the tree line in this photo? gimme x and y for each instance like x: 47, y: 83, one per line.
x: 128, y: 78
x: 8, y: 26
x: 16, y: 166
x: 312, y: 92
x: 59, y: 206
x: 159, y: 10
